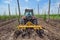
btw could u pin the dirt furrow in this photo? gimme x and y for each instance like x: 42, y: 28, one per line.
x: 6, y: 30
x: 52, y: 34
x: 7, y: 22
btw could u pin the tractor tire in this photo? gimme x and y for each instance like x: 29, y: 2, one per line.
x: 21, y: 21
x: 35, y: 21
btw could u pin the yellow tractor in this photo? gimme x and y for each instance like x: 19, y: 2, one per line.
x: 28, y: 24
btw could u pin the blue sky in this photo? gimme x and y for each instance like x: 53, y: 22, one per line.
x: 32, y: 4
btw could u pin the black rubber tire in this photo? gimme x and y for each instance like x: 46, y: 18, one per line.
x: 35, y: 21
x: 21, y: 21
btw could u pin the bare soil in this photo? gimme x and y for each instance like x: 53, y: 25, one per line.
x: 51, y: 31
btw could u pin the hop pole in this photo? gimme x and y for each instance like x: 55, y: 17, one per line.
x: 19, y: 11
x: 59, y: 10
x: 9, y: 9
x: 49, y: 10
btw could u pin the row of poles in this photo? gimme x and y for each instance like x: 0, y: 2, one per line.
x: 49, y: 10
x: 15, y: 10
x: 38, y: 9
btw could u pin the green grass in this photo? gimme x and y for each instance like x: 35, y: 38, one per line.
x: 52, y: 16
x: 6, y: 17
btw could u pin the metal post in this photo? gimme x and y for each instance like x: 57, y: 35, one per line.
x: 19, y: 11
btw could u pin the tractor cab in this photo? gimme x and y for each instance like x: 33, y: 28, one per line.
x: 28, y: 14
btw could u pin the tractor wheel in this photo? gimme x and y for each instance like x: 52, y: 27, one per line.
x: 35, y: 22
x: 21, y: 21
x: 40, y: 33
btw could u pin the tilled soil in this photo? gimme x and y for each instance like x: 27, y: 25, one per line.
x: 6, y: 30
x: 2, y: 23
x: 50, y: 31
x: 53, y: 33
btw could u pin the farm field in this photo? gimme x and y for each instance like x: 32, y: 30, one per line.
x: 29, y: 19
x: 51, y: 30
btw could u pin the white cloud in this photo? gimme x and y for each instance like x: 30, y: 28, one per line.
x: 44, y: 8
x: 3, y: 9
x: 7, y: 1
x: 54, y: 7
x: 38, y: 0
x: 26, y: 0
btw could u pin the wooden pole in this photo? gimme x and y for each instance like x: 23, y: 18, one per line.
x: 38, y: 8
x: 19, y: 11
x: 49, y: 10
x: 9, y: 9
x: 5, y: 15
x: 16, y: 12
x: 59, y: 10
